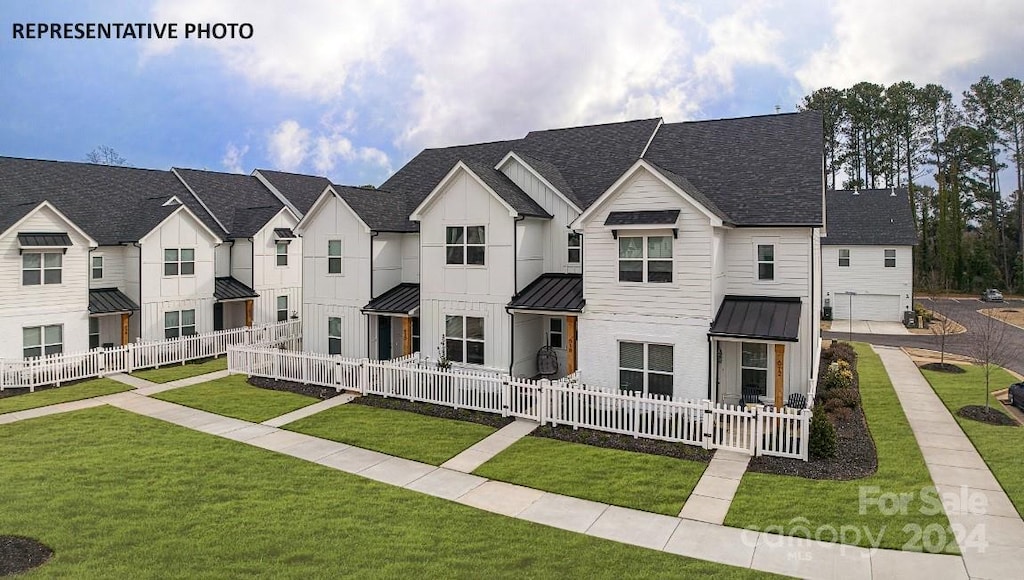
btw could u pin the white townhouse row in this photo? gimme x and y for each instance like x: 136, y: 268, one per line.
x: 670, y: 258
x: 94, y: 255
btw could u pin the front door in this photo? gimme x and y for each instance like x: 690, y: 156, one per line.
x: 383, y: 337
x: 218, y: 316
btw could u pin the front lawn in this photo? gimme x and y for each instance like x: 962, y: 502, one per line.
x: 791, y: 505
x: 147, y: 499
x: 232, y: 396
x: 653, y: 483
x: 999, y: 446
x: 176, y: 372
x: 82, y: 390
x: 410, y: 435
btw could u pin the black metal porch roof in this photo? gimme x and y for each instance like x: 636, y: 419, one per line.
x: 110, y: 301
x: 758, y: 317
x: 551, y: 293
x: 402, y: 299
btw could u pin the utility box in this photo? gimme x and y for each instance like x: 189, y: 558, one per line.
x: 826, y: 313
x: 910, y: 319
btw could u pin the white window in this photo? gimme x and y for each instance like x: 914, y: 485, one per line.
x: 650, y: 254
x: 179, y: 323
x: 41, y: 340
x: 282, y: 253
x: 844, y: 258
x: 766, y: 262
x: 41, y: 268
x: 754, y: 367
x: 334, y: 256
x: 645, y: 368
x: 890, y: 258
x: 94, y: 333
x: 464, y: 339
x: 179, y: 262
x: 465, y: 245
x: 556, y: 336
x: 282, y: 308
x: 333, y: 335
x: 97, y: 267
x: 575, y: 247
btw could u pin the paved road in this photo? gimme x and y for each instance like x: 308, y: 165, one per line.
x: 962, y: 310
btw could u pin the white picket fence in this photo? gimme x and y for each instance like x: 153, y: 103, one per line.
x: 568, y: 401
x: 57, y: 369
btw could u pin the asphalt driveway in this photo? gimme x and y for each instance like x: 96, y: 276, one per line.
x: 962, y: 310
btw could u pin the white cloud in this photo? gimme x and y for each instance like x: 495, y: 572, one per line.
x: 293, y: 146
x: 743, y: 37
x: 289, y: 145
x: 232, y: 160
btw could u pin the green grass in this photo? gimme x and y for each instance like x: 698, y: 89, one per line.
x: 410, y: 435
x: 1000, y: 447
x: 646, y: 482
x: 146, y: 499
x: 793, y: 504
x: 232, y: 396
x: 83, y: 390
x: 176, y: 372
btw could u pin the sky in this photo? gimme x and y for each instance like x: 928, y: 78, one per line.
x: 352, y: 90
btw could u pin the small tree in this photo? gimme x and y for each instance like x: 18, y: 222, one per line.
x: 989, y: 346
x: 941, y: 327
x: 105, y: 155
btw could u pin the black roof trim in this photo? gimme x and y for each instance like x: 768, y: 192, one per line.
x: 551, y: 293
x: 655, y: 217
x: 110, y: 301
x: 758, y: 317
x: 402, y: 299
x: 229, y: 288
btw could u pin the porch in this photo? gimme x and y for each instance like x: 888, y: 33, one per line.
x: 109, y: 314
x: 393, y: 323
x: 233, y: 307
x: 544, y: 322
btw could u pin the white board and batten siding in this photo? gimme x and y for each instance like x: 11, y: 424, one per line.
x: 881, y: 293
x: 271, y: 280
x: 478, y: 291
x: 66, y: 303
x: 115, y: 263
x: 160, y: 293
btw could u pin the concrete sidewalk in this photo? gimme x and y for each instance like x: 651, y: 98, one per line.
x: 711, y: 497
x: 993, y: 542
x: 484, y: 450
x: 309, y: 410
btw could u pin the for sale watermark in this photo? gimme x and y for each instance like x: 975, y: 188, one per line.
x: 131, y: 30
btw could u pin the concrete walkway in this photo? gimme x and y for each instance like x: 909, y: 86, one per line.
x: 144, y: 387
x: 868, y: 327
x: 710, y: 500
x: 309, y: 410
x: 992, y: 541
x: 484, y: 450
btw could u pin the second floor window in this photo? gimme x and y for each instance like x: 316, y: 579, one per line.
x: 334, y: 256
x: 179, y: 323
x: 844, y: 258
x: 42, y: 340
x: 282, y: 254
x: 179, y: 262
x: 97, y: 267
x: 464, y: 339
x: 765, y: 262
x: 575, y: 247
x: 282, y: 308
x: 890, y: 258
x: 465, y: 245
x: 41, y: 268
x: 645, y: 259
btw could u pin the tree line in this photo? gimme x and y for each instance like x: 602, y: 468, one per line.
x: 949, y: 153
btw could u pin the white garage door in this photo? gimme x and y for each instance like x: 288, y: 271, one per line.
x: 867, y: 307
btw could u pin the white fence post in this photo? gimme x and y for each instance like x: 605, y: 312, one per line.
x: 707, y: 423
x: 759, y: 419
x: 805, y: 433
x: 506, y: 394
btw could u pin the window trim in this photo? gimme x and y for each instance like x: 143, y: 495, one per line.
x: 180, y: 327
x: 466, y: 340
x: 333, y: 337
x: 43, y: 268
x: 43, y: 344
x: 767, y: 368
x: 94, y: 343
x: 846, y: 257
x: 645, y: 259
x: 577, y: 247
x: 646, y: 371
x: 178, y: 262
x: 339, y: 257
x: 465, y: 245
x: 758, y: 262
x: 279, y: 310
x: 886, y: 257
x: 550, y: 332
x: 93, y: 267
x: 279, y: 254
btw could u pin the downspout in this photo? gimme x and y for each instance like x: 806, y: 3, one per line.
x: 515, y: 290
x: 373, y: 234
x: 141, y: 303
x: 810, y: 319
x: 711, y: 363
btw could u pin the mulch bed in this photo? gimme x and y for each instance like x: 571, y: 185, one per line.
x: 943, y: 368
x: 623, y: 442
x: 489, y: 419
x: 308, y: 390
x: 986, y: 415
x: 19, y: 554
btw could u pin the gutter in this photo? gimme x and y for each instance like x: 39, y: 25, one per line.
x: 373, y: 234
x: 515, y: 290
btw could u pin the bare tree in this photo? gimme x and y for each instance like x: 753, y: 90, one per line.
x: 105, y: 155
x: 941, y: 327
x: 989, y: 347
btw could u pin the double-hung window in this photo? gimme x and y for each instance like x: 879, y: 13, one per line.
x: 282, y: 308
x: 97, y: 267
x: 556, y: 334
x: 334, y: 256
x: 282, y: 253
x: 765, y: 262
x: 333, y: 335
x: 94, y: 332
x: 41, y: 268
x: 179, y: 261
x: 178, y: 323
x: 465, y: 245
x: 645, y: 368
x: 575, y: 247
x: 844, y: 258
x: 42, y: 340
x: 464, y: 339
x: 754, y: 367
x: 890, y: 258
x: 645, y: 259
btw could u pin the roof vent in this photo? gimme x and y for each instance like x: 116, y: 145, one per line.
x: 172, y: 201
x: 892, y: 192
x: 856, y: 191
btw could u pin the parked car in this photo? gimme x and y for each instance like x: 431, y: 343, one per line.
x: 992, y: 295
x: 1015, y: 396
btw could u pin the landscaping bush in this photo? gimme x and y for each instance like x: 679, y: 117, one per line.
x: 837, y: 375
x: 823, y: 443
x: 843, y: 351
x: 847, y: 397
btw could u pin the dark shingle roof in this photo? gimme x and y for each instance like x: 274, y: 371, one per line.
x: 763, y: 170
x: 870, y: 217
x: 507, y: 190
x: 241, y: 203
x: 653, y: 217
x: 402, y: 299
x: 85, y: 193
x: 382, y: 210
x: 698, y: 196
x: 228, y: 288
x: 758, y: 317
x: 551, y: 293
x: 110, y: 301
x: 301, y: 190
x: 43, y: 239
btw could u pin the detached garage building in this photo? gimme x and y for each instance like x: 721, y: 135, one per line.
x: 867, y: 254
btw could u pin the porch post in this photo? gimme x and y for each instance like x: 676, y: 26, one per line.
x: 124, y: 328
x: 780, y: 363
x: 570, y: 344
x: 406, y: 336
x: 248, y: 312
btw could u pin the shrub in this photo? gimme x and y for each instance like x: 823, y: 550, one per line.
x: 823, y: 443
x: 838, y: 375
x: 841, y: 414
x: 843, y: 351
x: 847, y: 397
